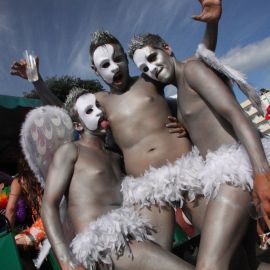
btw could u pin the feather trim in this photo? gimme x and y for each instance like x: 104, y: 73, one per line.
x: 167, y: 184
x: 209, y: 58
x: 230, y: 164
x: 109, y: 235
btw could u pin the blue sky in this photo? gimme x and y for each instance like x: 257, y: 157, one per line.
x: 59, y: 32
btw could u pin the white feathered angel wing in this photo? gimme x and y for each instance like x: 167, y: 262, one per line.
x: 209, y: 58
x: 43, y: 131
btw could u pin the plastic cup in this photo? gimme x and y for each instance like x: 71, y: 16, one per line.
x: 31, y: 69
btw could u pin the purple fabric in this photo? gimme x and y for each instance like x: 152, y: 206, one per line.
x: 20, y: 206
x: 20, y: 211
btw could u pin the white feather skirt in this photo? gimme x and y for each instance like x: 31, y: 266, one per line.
x: 165, y: 185
x: 230, y: 164
x: 110, y: 235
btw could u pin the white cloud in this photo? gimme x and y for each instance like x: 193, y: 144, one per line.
x: 149, y: 16
x: 80, y: 65
x: 250, y: 57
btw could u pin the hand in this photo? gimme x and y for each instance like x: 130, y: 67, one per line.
x: 23, y: 240
x: 18, y: 68
x: 211, y: 11
x: 175, y: 127
x: 261, y: 193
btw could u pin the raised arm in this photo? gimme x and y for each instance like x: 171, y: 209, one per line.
x: 211, y: 13
x: 57, y: 184
x: 18, y: 68
x: 217, y: 94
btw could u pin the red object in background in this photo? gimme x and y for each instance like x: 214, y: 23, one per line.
x: 184, y: 223
x: 267, y: 115
x: 36, y: 232
x: 3, y: 200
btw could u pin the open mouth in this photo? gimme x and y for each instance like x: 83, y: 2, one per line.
x: 117, y: 78
x: 158, y: 72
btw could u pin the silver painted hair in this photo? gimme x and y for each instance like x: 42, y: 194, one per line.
x: 147, y: 39
x: 101, y: 38
x: 71, y: 99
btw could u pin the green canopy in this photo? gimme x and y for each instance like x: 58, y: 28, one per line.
x: 12, y: 114
x: 11, y: 102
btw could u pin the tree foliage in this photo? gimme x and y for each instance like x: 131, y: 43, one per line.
x: 61, y: 86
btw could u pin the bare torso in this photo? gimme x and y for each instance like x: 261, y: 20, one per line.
x: 95, y: 186
x: 213, y: 117
x: 137, y: 119
x: 207, y: 129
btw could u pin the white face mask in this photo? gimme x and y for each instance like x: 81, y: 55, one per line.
x: 88, y: 111
x: 155, y: 63
x: 105, y: 63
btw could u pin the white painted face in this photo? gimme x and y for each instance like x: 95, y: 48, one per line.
x: 105, y: 63
x: 155, y: 63
x: 88, y: 111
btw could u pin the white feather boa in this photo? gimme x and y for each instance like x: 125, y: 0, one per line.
x: 109, y: 235
x: 193, y: 176
x: 230, y: 164
x: 167, y: 184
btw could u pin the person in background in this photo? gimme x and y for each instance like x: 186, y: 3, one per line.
x: 5, y: 181
x: 25, y: 199
x: 12, y: 204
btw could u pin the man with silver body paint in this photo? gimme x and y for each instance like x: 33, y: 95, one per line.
x: 90, y: 177
x: 138, y: 114
x: 216, y: 124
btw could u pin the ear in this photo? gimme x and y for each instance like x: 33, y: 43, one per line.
x: 168, y: 49
x: 95, y: 69
x: 78, y: 126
